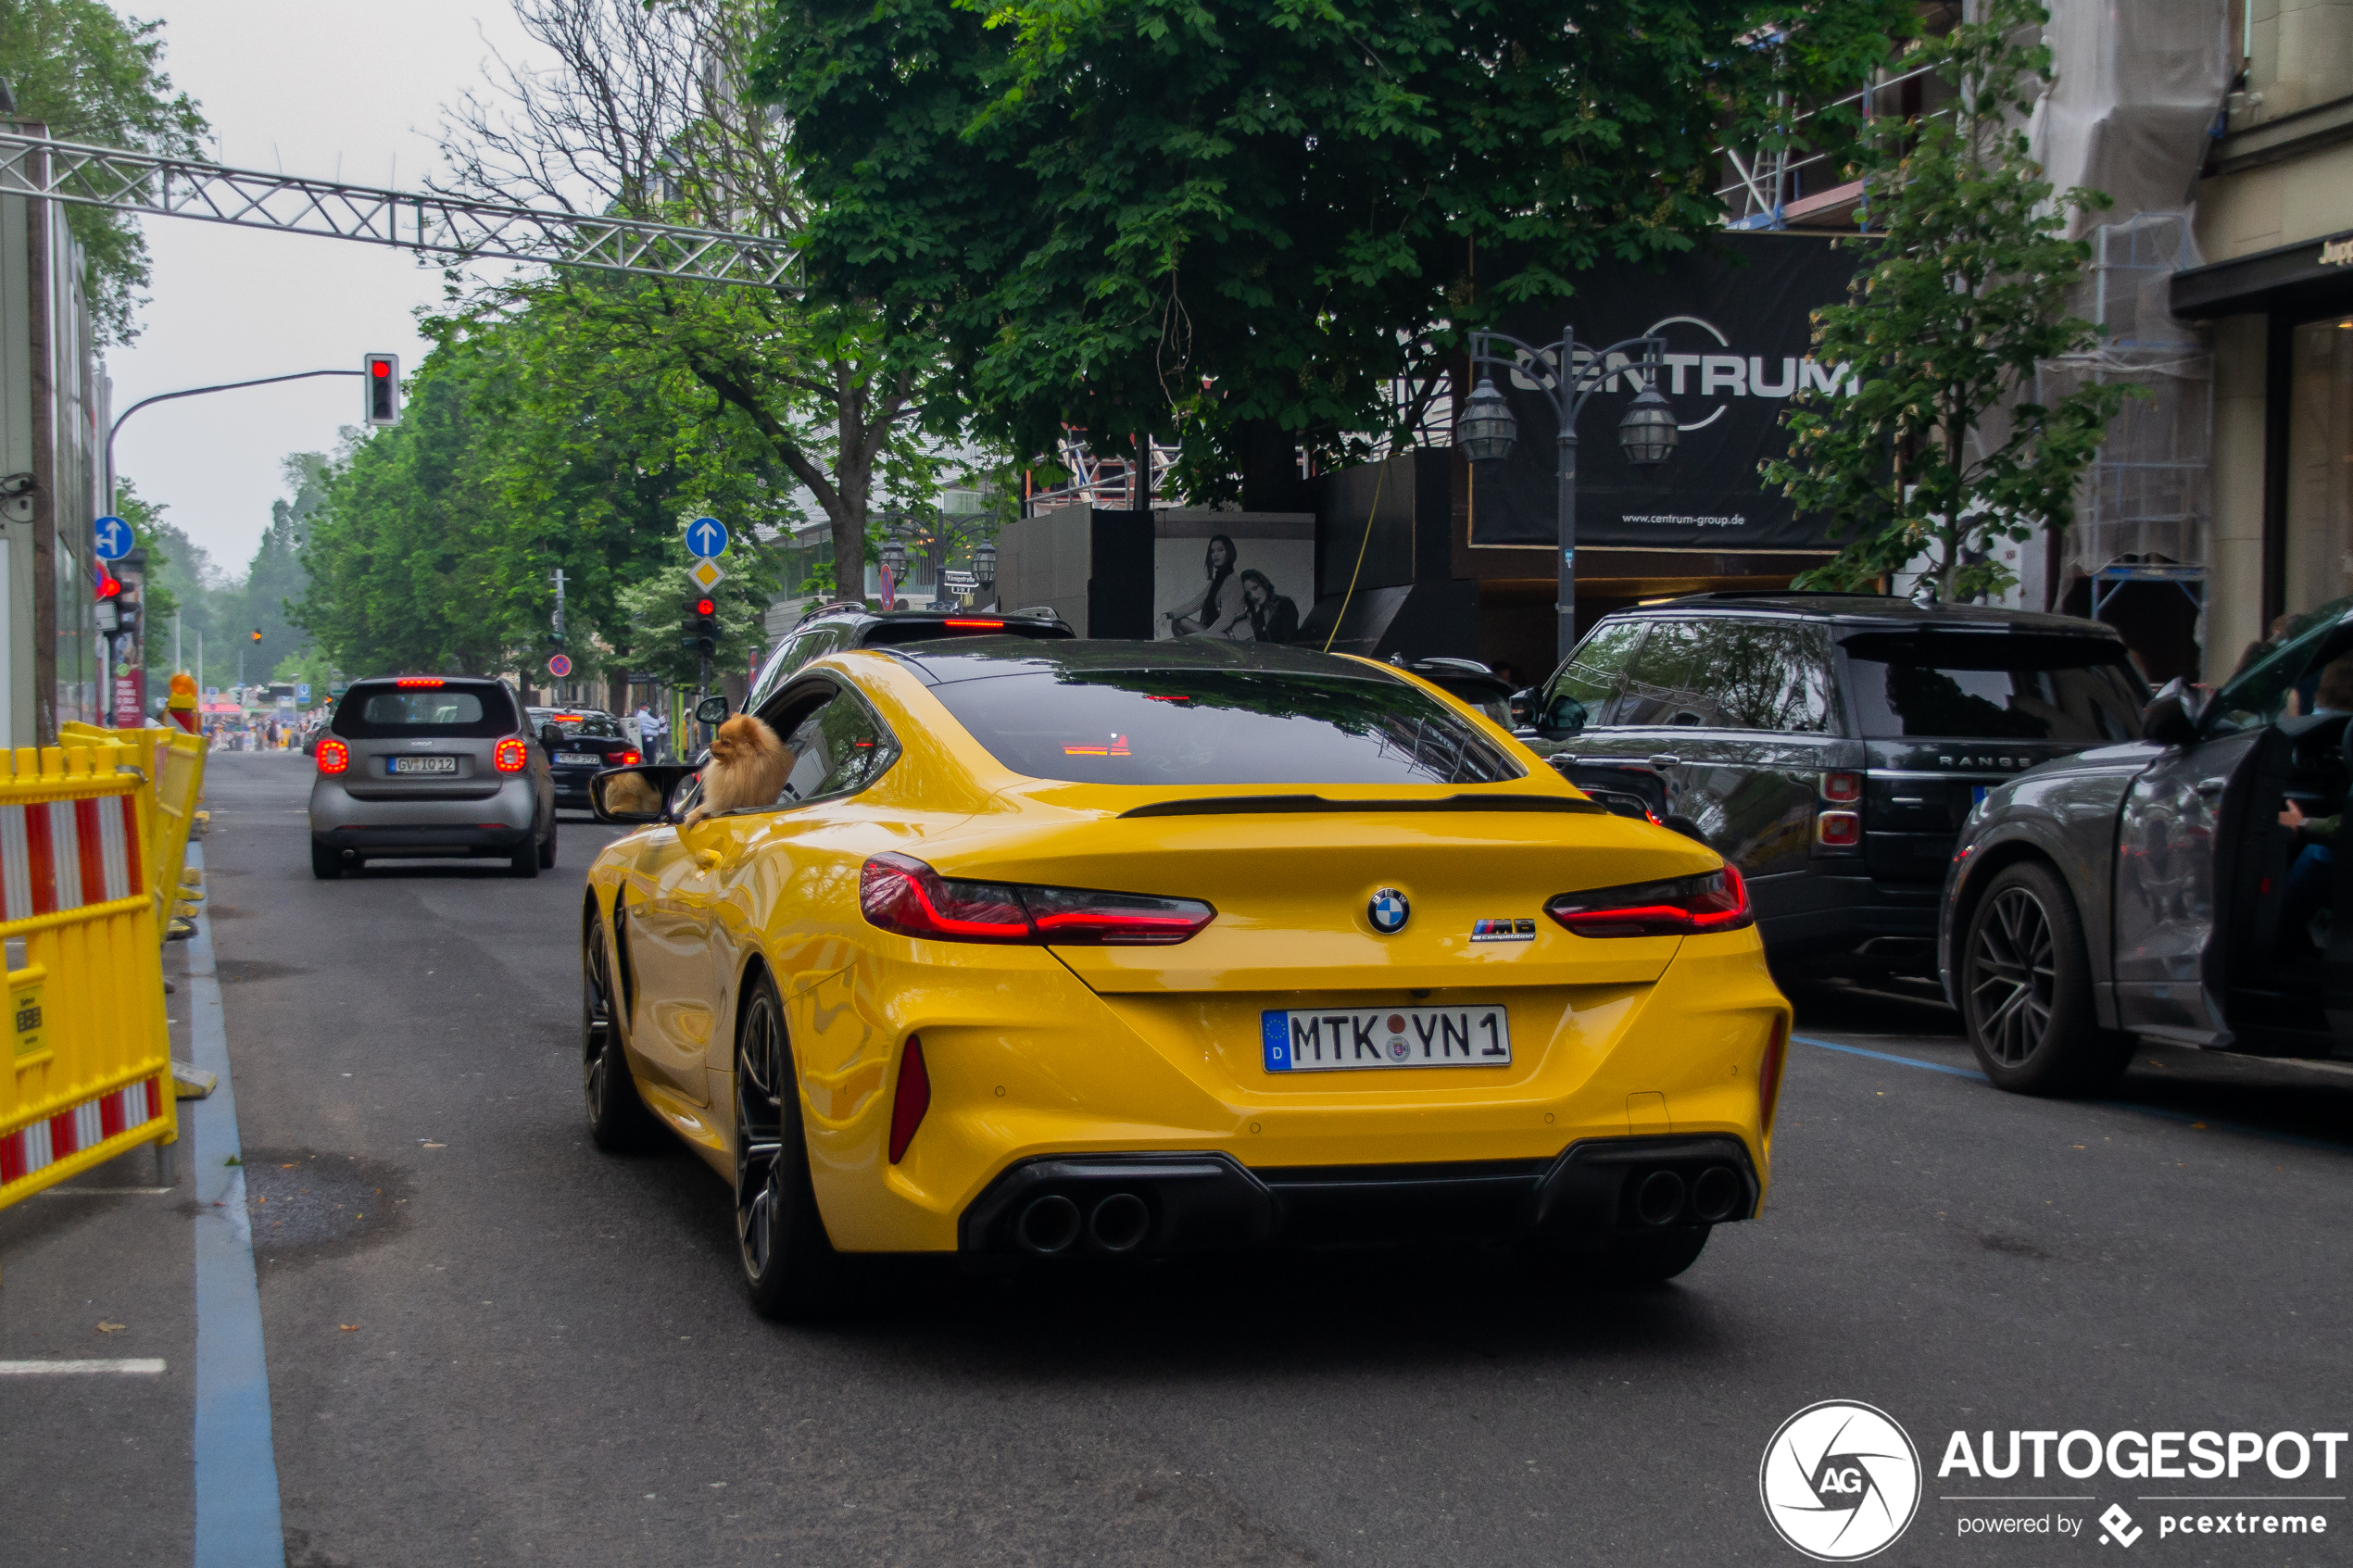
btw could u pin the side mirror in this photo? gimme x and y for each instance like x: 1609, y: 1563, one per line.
x: 631, y: 796
x: 1565, y: 717
x: 1522, y: 703
x: 2170, y: 719
x: 712, y: 710
x: 551, y: 736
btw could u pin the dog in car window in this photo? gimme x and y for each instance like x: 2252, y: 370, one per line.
x: 747, y: 767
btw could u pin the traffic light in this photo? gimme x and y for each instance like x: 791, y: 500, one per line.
x: 109, y: 603
x: 256, y: 634
x: 701, y: 630
x: 380, y: 388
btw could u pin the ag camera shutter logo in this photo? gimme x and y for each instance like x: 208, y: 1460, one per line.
x: 1839, y: 1481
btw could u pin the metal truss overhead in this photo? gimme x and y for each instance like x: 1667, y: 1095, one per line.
x: 463, y: 230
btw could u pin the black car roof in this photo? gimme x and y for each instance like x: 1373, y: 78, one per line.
x: 966, y: 658
x: 1873, y: 609
x: 846, y: 610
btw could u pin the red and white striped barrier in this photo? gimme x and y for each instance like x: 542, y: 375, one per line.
x: 31, y: 1150
x: 60, y: 855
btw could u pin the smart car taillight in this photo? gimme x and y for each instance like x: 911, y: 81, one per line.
x: 910, y: 1100
x: 510, y: 756
x: 902, y: 893
x: 334, y: 755
x: 1714, y: 900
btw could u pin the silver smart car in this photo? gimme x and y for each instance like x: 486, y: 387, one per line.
x: 430, y: 767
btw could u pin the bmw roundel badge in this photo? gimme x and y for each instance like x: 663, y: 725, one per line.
x: 1388, y: 911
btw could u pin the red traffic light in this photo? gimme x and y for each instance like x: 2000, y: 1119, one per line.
x: 108, y: 586
x: 706, y: 607
x: 379, y: 367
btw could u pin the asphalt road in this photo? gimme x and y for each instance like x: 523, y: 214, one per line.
x: 487, y: 1343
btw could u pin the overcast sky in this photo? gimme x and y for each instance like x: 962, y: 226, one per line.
x: 312, y: 87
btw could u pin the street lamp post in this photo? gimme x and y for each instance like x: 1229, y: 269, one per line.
x: 1487, y: 428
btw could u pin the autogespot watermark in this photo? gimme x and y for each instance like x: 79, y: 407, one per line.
x: 1840, y: 1481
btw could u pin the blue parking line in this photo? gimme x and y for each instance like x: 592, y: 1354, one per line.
x: 237, y: 1483
x: 1899, y: 1060
x: 2162, y: 1112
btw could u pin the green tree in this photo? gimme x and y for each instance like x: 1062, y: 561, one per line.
x: 658, y: 608
x: 1964, y: 287
x: 1236, y: 220
x: 95, y: 77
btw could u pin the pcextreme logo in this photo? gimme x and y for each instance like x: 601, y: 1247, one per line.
x: 1839, y: 1481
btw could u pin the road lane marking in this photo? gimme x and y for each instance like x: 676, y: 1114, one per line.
x: 137, y: 1365
x: 238, y: 1521
x: 1884, y: 1056
x: 2162, y: 1112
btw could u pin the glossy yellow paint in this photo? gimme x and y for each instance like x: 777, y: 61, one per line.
x: 1033, y: 1050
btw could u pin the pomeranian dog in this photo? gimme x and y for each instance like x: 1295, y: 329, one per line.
x: 747, y: 767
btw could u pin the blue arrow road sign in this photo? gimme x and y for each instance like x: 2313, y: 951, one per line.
x: 114, y: 537
x: 707, y: 537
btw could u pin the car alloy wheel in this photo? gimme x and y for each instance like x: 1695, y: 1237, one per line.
x: 618, y: 1120
x: 2013, y: 976
x: 789, y: 1263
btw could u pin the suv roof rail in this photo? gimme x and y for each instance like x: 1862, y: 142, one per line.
x: 809, y: 615
x: 1735, y: 594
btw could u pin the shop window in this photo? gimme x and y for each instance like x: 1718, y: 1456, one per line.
x: 2320, y: 465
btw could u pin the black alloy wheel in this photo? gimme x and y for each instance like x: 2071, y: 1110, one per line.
x: 618, y: 1120
x: 2026, y: 989
x: 790, y: 1267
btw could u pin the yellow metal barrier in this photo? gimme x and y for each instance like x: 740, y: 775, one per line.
x: 172, y: 763
x: 89, y: 1070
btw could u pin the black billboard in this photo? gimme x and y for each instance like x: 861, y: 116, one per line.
x: 1735, y: 318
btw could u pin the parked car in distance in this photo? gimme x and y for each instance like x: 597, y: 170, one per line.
x: 582, y: 743
x: 2164, y: 886
x: 430, y: 767
x: 1829, y: 745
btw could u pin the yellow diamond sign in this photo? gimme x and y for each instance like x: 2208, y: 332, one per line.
x: 706, y: 575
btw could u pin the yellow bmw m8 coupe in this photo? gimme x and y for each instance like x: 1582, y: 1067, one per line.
x: 1113, y: 949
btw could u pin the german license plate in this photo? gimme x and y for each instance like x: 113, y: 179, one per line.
x: 1337, y: 1039
x: 422, y: 765
x: 579, y: 759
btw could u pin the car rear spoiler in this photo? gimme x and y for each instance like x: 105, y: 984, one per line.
x: 1270, y: 805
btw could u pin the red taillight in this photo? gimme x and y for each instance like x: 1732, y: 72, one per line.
x: 903, y: 894
x: 1838, y: 830
x: 1688, y: 906
x: 1768, y: 1074
x: 1843, y: 789
x: 976, y: 625
x: 510, y: 756
x: 334, y: 755
x: 627, y: 759
x: 911, y: 1099
x: 418, y: 681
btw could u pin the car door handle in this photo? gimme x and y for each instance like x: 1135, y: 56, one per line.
x: 1666, y: 759
x: 2211, y: 786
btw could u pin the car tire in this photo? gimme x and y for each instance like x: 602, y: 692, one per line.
x: 325, y: 863
x: 618, y: 1120
x: 547, y: 850
x: 789, y: 1266
x: 2026, y: 989
x: 525, y: 860
x: 1620, y: 1262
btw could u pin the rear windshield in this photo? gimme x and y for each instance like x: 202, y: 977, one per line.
x: 476, y: 710
x: 595, y: 724
x: 1221, y: 727
x: 1956, y: 686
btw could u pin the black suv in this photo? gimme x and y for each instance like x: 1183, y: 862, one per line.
x: 1830, y: 745
x: 849, y: 624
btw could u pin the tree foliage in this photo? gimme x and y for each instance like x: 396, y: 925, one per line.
x: 1938, y: 452
x: 527, y: 445
x: 1236, y: 220
x: 95, y: 77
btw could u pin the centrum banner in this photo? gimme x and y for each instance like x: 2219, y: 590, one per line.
x: 1735, y: 318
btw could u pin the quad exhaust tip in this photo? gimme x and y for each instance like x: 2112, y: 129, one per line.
x: 1659, y: 1198
x: 1714, y: 1194
x: 1711, y: 1197
x: 1052, y: 1224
